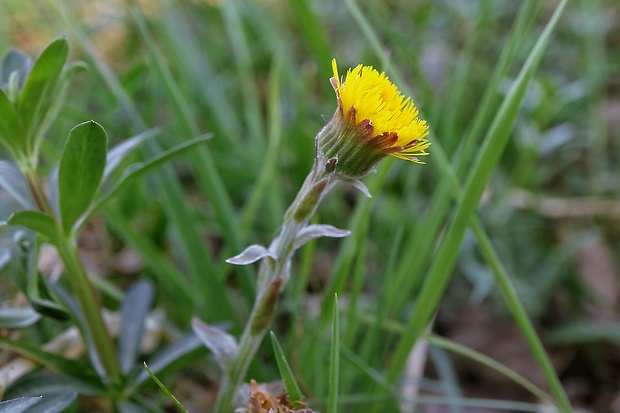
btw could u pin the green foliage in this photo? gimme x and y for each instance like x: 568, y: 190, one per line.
x: 288, y: 378
x: 432, y: 242
x: 80, y: 171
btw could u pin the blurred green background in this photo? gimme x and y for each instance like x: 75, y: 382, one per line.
x: 255, y: 73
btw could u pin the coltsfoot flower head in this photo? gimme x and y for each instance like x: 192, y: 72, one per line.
x: 373, y: 120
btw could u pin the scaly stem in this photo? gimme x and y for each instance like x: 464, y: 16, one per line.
x: 273, y: 275
x: 85, y: 295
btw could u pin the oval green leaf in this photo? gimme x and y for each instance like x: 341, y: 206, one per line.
x: 39, y: 83
x: 10, y: 128
x: 81, y: 169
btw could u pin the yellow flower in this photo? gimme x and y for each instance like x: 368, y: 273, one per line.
x: 377, y: 99
x: 373, y: 120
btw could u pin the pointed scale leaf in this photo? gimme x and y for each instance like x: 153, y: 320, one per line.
x: 250, y: 255
x: 223, y: 346
x: 316, y: 231
x: 360, y: 186
x: 81, y: 170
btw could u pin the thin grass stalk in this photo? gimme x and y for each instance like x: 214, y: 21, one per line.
x: 410, y: 270
x: 489, y: 154
x: 269, y: 165
x: 176, y: 209
x: 443, y: 166
x: 199, y: 257
x: 594, y: 63
x: 334, y: 362
x: 243, y: 61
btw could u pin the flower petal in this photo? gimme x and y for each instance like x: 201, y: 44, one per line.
x: 223, y: 346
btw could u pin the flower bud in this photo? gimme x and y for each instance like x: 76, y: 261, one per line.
x: 373, y: 120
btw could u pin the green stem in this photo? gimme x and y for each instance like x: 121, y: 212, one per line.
x: 85, y: 295
x: 36, y: 189
x: 273, y: 275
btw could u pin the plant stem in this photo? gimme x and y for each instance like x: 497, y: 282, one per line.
x: 85, y: 295
x: 272, y: 277
x: 36, y: 189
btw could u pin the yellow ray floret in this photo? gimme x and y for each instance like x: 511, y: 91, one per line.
x: 376, y: 98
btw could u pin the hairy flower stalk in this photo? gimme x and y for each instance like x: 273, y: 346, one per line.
x: 372, y: 120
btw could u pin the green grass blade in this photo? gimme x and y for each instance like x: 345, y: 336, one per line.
x: 174, y: 282
x: 230, y: 11
x: 288, y: 378
x: 165, y: 390
x: 199, y: 262
x: 334, y: 363
x: 490, y: 363
x: 489, y: 154
x: 269, y: 165
x: 139, y: 169
x: 203, y: 162
x: 312, y: 32
x: 520, y: 315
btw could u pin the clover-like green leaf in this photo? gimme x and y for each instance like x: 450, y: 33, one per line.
x: 10, y: 128
x: 42, y: 78
x: 80, y: 171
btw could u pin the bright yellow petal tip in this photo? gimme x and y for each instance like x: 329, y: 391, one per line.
x: 375, y: 98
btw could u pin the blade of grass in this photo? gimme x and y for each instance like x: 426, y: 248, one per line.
x: 489, y: 154
x: 348, y: 251
x: 174, y: 206
x: 444, y: 168
x: 288, y: 378
x: 203, y: 164
x: 334, y: 363
x: 461, y: 74
x: 269, y: 165
x: 594, y: 63
x: 312, y: 33
x: 173, y: 280
x: 165, y: 390
x: 471, y: 354
x: 410, y: 270
x: 447, y: 376
x: 243, y: 61
x: 399, y: 328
